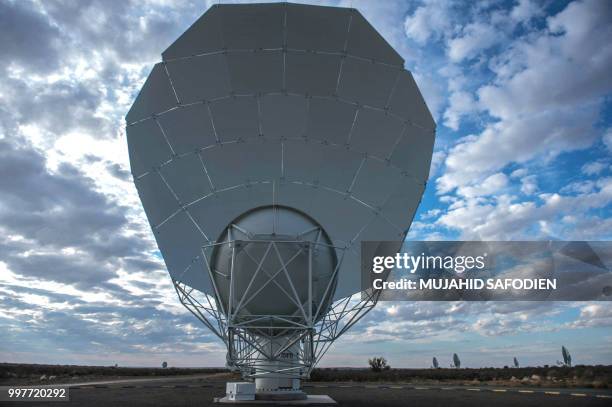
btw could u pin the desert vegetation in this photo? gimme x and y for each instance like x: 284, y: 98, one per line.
x: 10, y: 372
x: 378, y: 364
x: 545, y: 376
x: 542, y: 376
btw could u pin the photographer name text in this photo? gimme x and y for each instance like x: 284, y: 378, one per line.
x: 467, y: 284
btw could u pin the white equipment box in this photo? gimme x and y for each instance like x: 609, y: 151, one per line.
x: 240, y: 391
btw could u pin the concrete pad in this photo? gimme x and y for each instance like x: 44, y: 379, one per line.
x: 311, y: 400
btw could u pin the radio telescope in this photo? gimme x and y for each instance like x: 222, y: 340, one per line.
x: 269, y: 142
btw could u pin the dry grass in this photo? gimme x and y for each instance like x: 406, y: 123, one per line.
x: 11, y: 372
x: 578, y: 376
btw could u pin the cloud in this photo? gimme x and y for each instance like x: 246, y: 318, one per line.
x: 595, y: 167
x: 467, y: 34
x: 79, y: 269
x: 429, y: 21
x: 492, y: 326
x: 529, y: 185
x: 607, y: 139
x: 579, y: 187
x: 30, y: 190
x: 76, y: 66
x: 119, y: 29
x: 506, y: 217
x: 475, y: 37
x: 490, y: 185
x: 593, y: 315
x: 513, y: 141
x: 525, y: 10
x: 437, y: 160
x: 56, y: 226
x: 460, y: 104
x: 58, y: 107
x: 81, y: 331
x: 521, y: 172
x: 425, y: 320
x: 29, y: 39
x: 118, y: 171
x: 538, y: 111
x: 431, y: 213
x: 432, y: 90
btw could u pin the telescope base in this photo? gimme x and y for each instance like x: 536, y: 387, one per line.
x: 310, y: 400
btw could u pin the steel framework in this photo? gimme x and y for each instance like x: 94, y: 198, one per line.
x: 284, y: 345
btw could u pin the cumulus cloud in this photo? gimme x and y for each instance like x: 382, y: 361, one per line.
x: 56, y: 225
x: 79, y: 270
x: 429, y: 21
x: 490, y: 185
x: 509, y: 218
x: 475, y: 37
x: 29, y: 39
x: 525, y: 10
x: 461, y: 103
x: 521, y: 172
x: 529, y: 185
x: 432, y: 90
x: 595, y: 167
x: 412, y: 321
x: 607, y: 139
x: 437, y: 160
x: 69, y: 215
x: 579, y: 187
x: 100, y: 332
x: 539, y: 112
x: 593, y: 315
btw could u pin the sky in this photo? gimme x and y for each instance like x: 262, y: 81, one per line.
x: 521, y: 92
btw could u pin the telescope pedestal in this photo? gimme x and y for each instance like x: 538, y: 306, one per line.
x: 271, y: 391
x: 310, y: 400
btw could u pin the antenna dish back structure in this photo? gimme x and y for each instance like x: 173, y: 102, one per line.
x: 268, y: 143
x: 456, y: 361
x: 567, y: 358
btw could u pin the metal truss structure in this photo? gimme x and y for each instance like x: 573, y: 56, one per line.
x: 285, y: 346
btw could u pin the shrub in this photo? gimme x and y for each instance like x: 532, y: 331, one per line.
x: 378, y: 364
